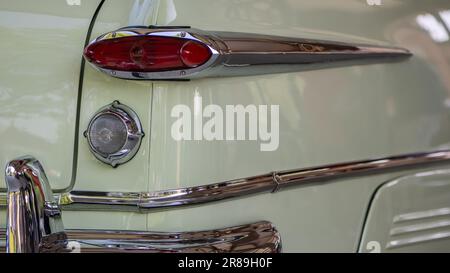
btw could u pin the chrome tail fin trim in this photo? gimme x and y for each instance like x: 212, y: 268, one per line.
x: 243, y: 54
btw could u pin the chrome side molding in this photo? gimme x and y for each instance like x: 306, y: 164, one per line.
x: 33, y: 217
x: 266, y: 183
x: 242, y: 54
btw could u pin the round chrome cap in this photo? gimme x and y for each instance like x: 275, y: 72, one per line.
x: 114, y: 134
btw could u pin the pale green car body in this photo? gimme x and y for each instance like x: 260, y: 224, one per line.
x: 326, y: 116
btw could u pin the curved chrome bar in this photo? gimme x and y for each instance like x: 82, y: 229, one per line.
x: 268, y: 183
x: 33, y: 217
x: 261, y: 237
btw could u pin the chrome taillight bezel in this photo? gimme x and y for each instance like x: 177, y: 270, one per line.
x: 187, y: 34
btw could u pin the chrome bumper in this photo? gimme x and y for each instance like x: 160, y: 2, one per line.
x: 34, y: 225
x: 261, y: 237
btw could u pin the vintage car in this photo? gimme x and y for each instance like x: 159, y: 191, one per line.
x: 225, y: 126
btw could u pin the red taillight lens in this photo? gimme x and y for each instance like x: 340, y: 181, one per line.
x: 147, y: 54
x: 193, y: 53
